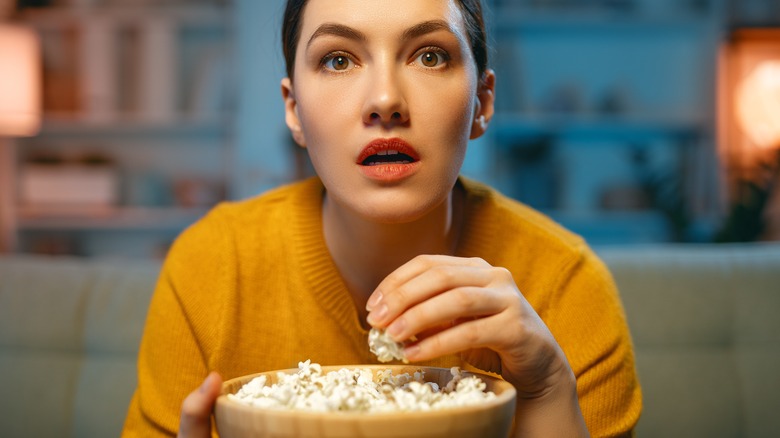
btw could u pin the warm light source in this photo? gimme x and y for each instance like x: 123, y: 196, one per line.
x: 20, y: 81
x: 758, y: 104
x: 20, y: 113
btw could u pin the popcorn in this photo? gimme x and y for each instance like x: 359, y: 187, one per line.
x: 359, y: 390
x: 384, y: 347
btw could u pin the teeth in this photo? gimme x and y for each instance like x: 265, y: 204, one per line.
x: 389, y: 162
x: 392, y: 152
x: 382, y: 153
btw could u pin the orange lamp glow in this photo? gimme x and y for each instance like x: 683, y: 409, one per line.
x: 758, y: 105
x: 20, y: 81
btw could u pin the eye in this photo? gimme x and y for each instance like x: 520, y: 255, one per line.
x: 337, y: 62
x: 432, y: 58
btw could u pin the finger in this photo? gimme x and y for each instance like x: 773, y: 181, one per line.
x: 196, y: 408
x: 477, y: 333
x: 427, y: 284
x: 415, y: 267
x: 444, y: 309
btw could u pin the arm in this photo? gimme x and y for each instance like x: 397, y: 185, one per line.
x: 457, y: 305
x: 170, y: 365
x: 180, y: 333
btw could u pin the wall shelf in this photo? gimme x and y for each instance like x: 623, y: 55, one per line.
x: 510, y: 126
x: 593, y: 99
x: 107, y: 218
x: 146, y: 88
x: 78, y: 125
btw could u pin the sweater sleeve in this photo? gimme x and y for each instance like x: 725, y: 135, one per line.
x: 181, y: 325
x: 588, y: 321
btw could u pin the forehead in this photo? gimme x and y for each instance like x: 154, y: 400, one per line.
x: 382, y: 17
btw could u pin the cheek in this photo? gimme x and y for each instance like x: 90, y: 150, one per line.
x: 448, y: 113
x: 326, y: 116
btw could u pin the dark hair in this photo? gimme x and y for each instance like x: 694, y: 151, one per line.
x: 472, y: 15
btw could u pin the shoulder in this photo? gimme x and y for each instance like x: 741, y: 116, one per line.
x: 542, y: 255
x: 264, y: 206
x: 253, y: 213
x: 517, y: 226
x: 230, y: 225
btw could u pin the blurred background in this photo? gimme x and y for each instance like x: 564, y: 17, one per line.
x: 628, y: 121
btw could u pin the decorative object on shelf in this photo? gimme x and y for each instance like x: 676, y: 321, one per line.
x: 197, y: 192
x: 663, y: 190
x: 157, y: 75
x: 52, y: 184
x: 615, y: 100
x: 98, y: 67
x: 146, y: 188
x: 564, y: 98
x: 747, y: 219
x: 20, y: 112
x: 531, y: 172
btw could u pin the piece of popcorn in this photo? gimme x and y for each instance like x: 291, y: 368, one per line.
x: 384, y: 347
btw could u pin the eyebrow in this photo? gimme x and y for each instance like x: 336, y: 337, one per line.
x: 413, y: 32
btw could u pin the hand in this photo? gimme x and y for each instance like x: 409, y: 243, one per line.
x: 458, y: 305
x: 196, y: 408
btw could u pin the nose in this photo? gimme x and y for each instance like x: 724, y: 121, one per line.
x: 385, y: 102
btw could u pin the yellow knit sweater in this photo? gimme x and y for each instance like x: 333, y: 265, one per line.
x: 251, y: 287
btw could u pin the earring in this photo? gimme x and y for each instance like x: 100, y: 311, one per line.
x: 480, y: 120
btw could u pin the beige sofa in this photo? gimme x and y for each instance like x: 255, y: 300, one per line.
x: 704, y: 319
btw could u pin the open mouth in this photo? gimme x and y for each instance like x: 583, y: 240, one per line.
x: 391, y: 156
x: 392, y: 151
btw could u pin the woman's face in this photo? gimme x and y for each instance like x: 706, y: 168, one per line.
x: 385, y: 97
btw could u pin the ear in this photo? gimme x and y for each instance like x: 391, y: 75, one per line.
x: 291, y: 112
x: 485, y: 105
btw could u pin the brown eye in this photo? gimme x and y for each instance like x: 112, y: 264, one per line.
x: 429, y: 59
x: 340, y: 63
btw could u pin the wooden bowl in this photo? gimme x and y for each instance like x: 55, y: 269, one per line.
x: 487, y: 420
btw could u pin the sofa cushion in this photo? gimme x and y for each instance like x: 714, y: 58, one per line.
x: 69, y: 336
x: 38, y: 387
x: 706, y: 329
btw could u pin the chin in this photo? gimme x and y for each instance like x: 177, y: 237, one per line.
x: 399, y: 211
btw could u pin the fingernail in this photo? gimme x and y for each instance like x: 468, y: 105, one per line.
x: 373, y: 300
x: 377, y: 316
x: 396, y: 328
x: 411, y: 351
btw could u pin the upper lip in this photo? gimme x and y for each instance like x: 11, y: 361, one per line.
x: 387, y: 144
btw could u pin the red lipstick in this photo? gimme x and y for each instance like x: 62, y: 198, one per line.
x: 388, y: 159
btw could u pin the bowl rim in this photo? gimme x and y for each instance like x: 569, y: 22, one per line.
x: 507, y: 395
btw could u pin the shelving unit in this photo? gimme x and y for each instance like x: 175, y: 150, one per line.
x: 619, y: 127
x: 117, y: 219
x: 599, y: 108
x: 146, y: 88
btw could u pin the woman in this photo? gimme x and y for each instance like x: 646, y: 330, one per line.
x: 385, y: 95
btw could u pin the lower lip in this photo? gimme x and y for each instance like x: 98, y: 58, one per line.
x: 390, y: 172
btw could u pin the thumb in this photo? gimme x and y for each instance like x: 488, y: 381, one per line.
x: 196, y: 408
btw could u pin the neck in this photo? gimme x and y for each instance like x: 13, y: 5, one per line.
x: 366, y: 251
